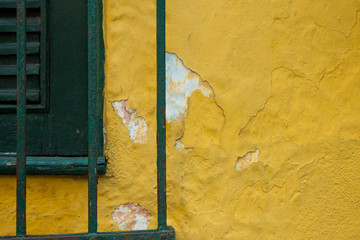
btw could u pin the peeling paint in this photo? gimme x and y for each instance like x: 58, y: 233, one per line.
x: 181, y: 82
x: 104, y: 135
x: 138, y: 128
x: 179, y: 145
x: 246, y: 160
x: 130, y: 217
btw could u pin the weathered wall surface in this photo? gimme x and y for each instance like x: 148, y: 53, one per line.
x: 263, y: 130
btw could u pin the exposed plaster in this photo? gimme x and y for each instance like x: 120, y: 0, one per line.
x: 246, y: 160
x: 138, y: 128
x: 181, y: 82
x: 130, y: 217
x: 179, y: 145
x: 104, y: 135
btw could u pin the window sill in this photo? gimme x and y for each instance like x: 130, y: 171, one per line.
x: 51, y: 165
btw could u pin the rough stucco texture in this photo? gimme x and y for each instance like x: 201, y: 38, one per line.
x: 285, y: 78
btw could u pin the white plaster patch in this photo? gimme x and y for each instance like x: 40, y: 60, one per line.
x: 179, y: 145
x: 130, y: 217
x: 138, y: 128
x: 181, y: 82
x: 246, y: 160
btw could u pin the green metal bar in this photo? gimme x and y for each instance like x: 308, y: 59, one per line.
x: 100, y: 79
x: 51, y: 165
x: 21, y: 118
x: 44, y: 54
x: 92, y: 119
x: 160, y: 114
x: 168, y: 234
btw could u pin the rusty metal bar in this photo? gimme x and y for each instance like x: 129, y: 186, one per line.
x: 21, y: 120
x: 92, y: 117
x: 161, y: 114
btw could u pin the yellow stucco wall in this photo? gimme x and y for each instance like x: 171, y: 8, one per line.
x: 285, y: 78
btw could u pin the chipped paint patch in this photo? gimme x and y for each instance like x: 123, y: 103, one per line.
x: 181, y: 82
x: 179, y: 145
x: 130, y: 217
x: 104, y: 135
x: 246, y: 160
x: 138, y: 128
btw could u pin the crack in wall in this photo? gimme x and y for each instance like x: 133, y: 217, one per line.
x: 254, y: 116
x: 346, y: 35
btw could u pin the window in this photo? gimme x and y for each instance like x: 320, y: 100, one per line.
x: 57, y: 87
x: 95, y: 72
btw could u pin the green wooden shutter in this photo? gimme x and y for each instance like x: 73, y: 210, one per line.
x: 57, y: 73
x: 36, y: 48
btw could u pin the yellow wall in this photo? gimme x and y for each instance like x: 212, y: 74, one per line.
x: 285, y: 78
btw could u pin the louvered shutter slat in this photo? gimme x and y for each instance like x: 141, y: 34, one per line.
x: 10, y: 48
x: 12, y: 3
x: 9, y: 25
x: 8, y: 52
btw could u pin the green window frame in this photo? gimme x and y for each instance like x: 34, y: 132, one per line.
x: 49, y: 161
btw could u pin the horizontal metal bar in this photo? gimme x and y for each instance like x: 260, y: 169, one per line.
x: 10, y: 48
x: 9, y: 25
x: 12, y: 3
x: 31, y: 69
x: 168, y: 234
x: 51, y: 165
x: 9, y: 95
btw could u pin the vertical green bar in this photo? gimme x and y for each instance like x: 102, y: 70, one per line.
x: 92, y: 119
x: 21, y: 118
x: 161, y: 113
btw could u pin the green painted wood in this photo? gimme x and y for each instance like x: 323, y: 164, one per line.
x: 167, y: 234
x: 51, y: 165
x: 6, y: 70
x: 58, y: 126
x: 92, y: 118
x: 10, y: 48
x: 12, y: 3
x: 21, y: 120
x: 9, y: 95
x: 9, y: 25
x: 8, y: 89
x: 36, y: 60
x: 160, y: 113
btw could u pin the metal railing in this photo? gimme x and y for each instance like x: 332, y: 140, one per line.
x: 163, y: 231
